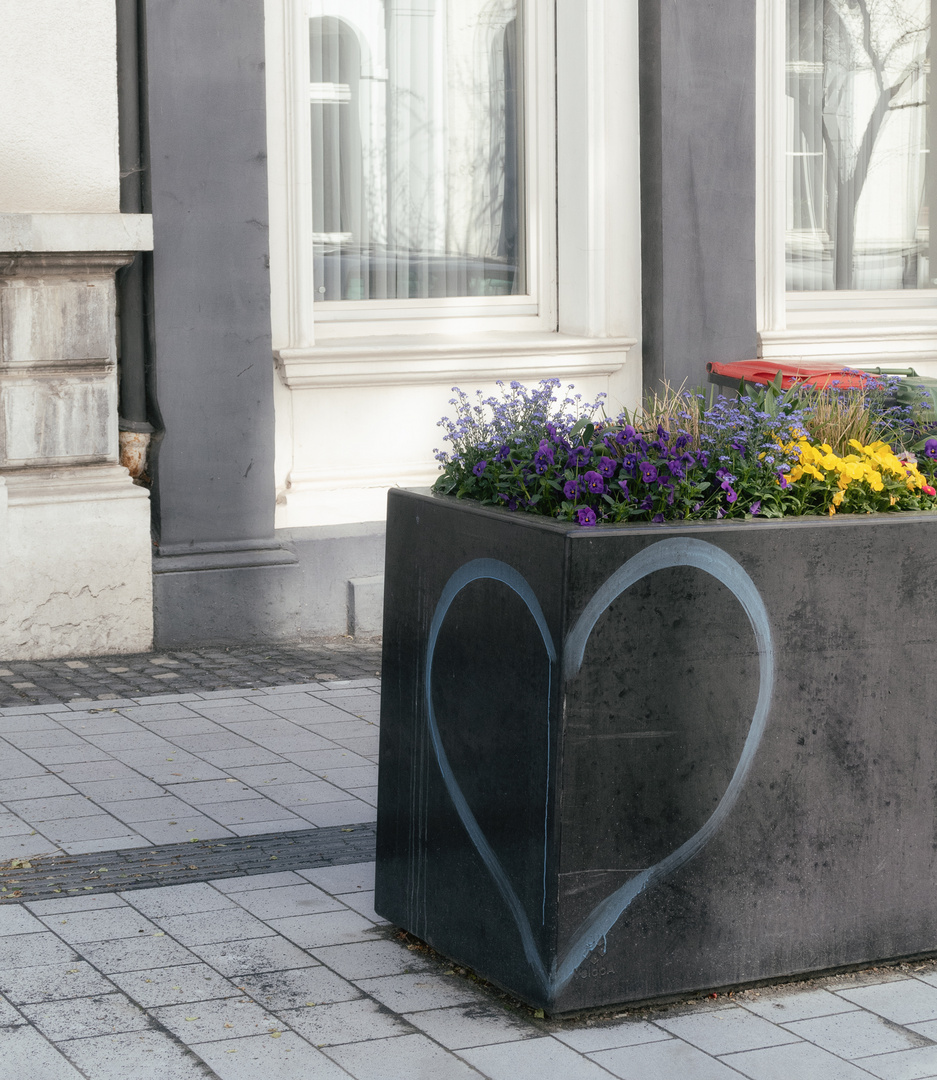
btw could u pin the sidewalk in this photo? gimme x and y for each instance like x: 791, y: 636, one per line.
x: 187, y: 893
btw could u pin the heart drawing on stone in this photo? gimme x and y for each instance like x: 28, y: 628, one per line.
x: 665, y: 554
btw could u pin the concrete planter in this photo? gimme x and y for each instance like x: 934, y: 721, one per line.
x: 626, y: 763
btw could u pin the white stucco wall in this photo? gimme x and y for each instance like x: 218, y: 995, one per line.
x: 58, y: 121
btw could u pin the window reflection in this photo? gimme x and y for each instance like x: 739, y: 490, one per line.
x: 858, y: 76
x: 415, y: 113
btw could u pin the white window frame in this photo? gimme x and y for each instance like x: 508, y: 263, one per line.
x: 581, y: 314
x: 860, y: 327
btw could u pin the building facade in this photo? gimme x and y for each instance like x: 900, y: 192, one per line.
x: 261, y: 240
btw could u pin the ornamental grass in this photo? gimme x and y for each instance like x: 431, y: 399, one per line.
x: 686, y: 456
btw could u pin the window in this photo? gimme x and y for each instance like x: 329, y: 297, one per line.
x: 845, y: 189
x: 856, y: 96
x: 467, y: 196
x: 417, y: 167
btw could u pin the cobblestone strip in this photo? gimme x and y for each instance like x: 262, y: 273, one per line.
x: 46, y: 878
x: 93, y: 678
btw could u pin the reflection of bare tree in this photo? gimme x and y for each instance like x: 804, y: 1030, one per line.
x: 887, y: 41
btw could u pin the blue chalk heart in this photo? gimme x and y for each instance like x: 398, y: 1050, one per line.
x: 674, y: 552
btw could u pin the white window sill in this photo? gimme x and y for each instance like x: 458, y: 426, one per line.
x: 416, y: 359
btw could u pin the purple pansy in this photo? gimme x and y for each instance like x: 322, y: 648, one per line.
x: 648, y: 472
x: 594, y: 482
x: 586, y: 515
x: 480, y: 467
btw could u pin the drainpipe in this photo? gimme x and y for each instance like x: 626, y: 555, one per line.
x: 135, y: 429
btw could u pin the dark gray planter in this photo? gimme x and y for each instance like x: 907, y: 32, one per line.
x: 624, y: 763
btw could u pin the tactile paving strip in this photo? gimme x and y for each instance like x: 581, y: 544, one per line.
x: 48, y: 877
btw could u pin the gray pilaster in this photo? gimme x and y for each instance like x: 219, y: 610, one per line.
x: 697, y: 186
x: 221, y: 574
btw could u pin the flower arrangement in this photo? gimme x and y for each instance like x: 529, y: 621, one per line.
x: 768, y: 454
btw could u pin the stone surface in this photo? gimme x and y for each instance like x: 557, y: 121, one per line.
x: 720, y: 755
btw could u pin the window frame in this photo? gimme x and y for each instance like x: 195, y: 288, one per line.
x: 535, y: 311
x: 854, y: 326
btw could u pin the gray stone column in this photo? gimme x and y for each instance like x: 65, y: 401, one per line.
x: 220, y: 573
x: 697, y: 186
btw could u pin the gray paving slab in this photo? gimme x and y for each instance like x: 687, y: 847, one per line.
x: 177, y: 900
x: 609, y: 1036
x: 856, y: 1034
x: 206, y: 792
x: 35, y: 785
x: 100, y: 1014
x: 371, y: 959
x: 120, y: 789
x: 54, y: 735
x: 288, y: 1057
x: 50, y: 982
x: 188, y: 828
x: 255, y: 956
x: 315, y: 761
x: 672, y: 1060
x: 261, y: 881
x: 208, y: 927
x: 42, y: 948
x: 363, y: 903
x: 224, y: 1018
x: 17, y: 920
x: 285, y: 901
x: 903, y: 1064
x: 107, y: 924
x: 907, y: 1002
x: 175, y: 985
x: 478, y: 1024
x: 136, y: 1055
x: 346, y: 1022
x: 339, y: 880
x: 282, y: 824
x: 350, y: 811
x: 231, y: 761
x: 299, y: 988
x: 134, y: 954
x: 413, y: 993
x: 411, y: 1055
x: 160, y: 808
x: 329, y: 928
x: 26, y: 1053
x: 11, y: 825
x: 793, y: 1061
x: 256, y: 810
x: 9, y: 1015
x: 84, y: 902
x: 280, y: 771
x: 726, y: 1030
x: 533, y: 1059
x: 38, y: 811
x: 98, y: 826
x: 785, y: 1006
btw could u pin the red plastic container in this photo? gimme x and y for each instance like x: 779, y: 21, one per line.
x: 764, y: 371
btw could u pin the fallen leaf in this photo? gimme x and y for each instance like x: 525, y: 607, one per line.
x: 191, y: 1018
x: 275, y: 1034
